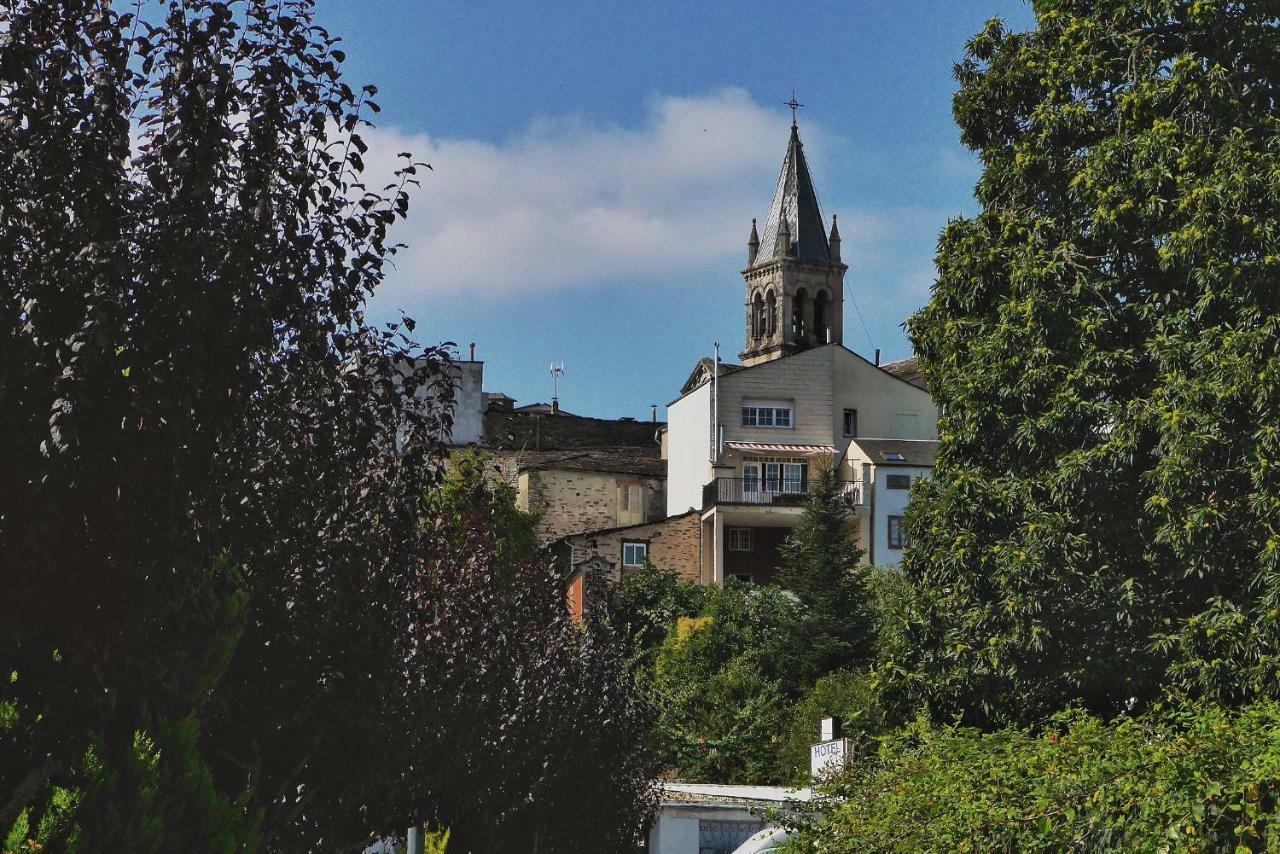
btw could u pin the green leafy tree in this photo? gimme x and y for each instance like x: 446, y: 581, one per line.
x: 719, y: 680
x: 1104, y: 517
x: 821, y: 564
x: 646, y: 604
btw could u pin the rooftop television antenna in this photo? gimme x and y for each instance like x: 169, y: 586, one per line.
x: 557, y: 371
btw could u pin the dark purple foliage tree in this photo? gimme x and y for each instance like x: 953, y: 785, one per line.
x: 197, y: 421
x: 527, y: 730
x: 236, y: 610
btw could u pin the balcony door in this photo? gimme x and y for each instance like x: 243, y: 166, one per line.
x: 793, y: 478
x: 762, y: 480
x: 751, y: 492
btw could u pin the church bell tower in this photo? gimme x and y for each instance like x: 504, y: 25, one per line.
x: 794, y: 277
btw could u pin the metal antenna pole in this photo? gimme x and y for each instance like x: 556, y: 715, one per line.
x: 557, y: 371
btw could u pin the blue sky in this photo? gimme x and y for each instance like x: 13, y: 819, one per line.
x: 596, y: 166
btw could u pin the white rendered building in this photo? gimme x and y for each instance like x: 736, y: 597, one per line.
x: 744, y: 440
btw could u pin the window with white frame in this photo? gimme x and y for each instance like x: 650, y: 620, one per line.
x: 896, y: 538
x: 634, y: 554
x: 739, y: 539
x: 767, y: 413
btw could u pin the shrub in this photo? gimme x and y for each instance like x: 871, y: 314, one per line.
x: 1184, y: 778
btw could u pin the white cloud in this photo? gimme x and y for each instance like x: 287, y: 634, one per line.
x: 568, y: 202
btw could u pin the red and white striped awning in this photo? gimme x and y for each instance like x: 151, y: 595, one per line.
x: 767, y: 448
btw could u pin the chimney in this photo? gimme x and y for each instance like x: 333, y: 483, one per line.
x: 555, y: 401
x: 877, y: 357
x: 473, y: 351
x: 653, y: 412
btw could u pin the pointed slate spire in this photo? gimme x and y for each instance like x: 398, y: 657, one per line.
x: 782, y: 245
x: 795, y: 204
x: 753, y: 244
x: 833, y: 242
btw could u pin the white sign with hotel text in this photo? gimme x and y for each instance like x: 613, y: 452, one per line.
x: 829, y: 757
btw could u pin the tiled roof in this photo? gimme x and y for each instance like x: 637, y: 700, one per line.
x: 532, y: 431
x: 714, y: 793
x: 795, y: 201
x: 703, y: 371
x: 538, y: 409
x: 651, y: 523
x: 913, y: 452
x: 621, y: 461
x: 906, y: 369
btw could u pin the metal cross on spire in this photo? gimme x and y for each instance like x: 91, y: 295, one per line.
x: 794, y: 105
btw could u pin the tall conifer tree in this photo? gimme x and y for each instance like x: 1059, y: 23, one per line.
x: 822, y: 567
x: 1104, y: 346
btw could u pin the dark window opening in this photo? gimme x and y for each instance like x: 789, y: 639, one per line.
x: 820, y: 320
x: 739, y: 539
x: 897, y: 539
x: 797, y: 314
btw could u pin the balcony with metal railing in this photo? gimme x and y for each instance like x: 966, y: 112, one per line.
x: 764, y: 492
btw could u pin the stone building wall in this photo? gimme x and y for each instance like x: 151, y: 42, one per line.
x: 570, y: 502
x: 674, y: 543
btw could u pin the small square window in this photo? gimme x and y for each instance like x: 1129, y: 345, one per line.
x: 850, y: 423
x: 897, y: 481
x: 896, y: 538
x: 739, y: 539
x: 634, y: 554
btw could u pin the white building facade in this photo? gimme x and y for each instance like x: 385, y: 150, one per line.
x: 744, y: 441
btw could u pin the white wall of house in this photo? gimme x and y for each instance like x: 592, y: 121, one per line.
x: 883, y: 503
x: 468, y: 400
x: 888, y: 503
x: 697, y: 817
x: 887, y: 407
x: 679, y: 829
x: 803, y: 381
x: 821, y: 384
x: 688, y: 445
x: 817, y: 385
